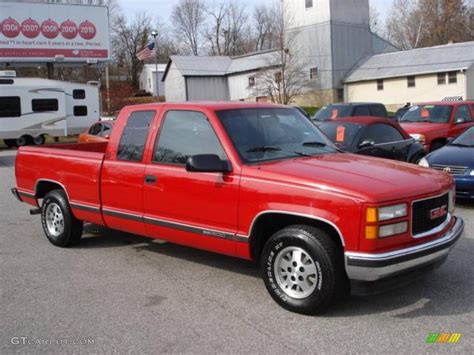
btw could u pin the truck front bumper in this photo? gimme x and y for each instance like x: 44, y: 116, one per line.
x: 369, y: 268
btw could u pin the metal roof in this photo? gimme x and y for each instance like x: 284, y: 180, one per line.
x: 414, y: 62
x: 221, y: 65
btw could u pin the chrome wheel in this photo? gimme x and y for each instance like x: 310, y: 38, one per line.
x: 54, y: 220
x: 295, y: 272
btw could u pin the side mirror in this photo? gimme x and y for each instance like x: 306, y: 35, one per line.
x: 459, y: 120
x: 367, y: 143
x: 207, y: 163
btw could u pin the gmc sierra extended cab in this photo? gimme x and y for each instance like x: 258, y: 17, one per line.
x: 433, y: 124
x: 253, y: 181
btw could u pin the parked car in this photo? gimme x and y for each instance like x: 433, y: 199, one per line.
x: 432, y: 124
x: 342, y: 110
x: 98, y: 132
x: 253, y: 181
x: 457, y: 159
x: 378, y: 137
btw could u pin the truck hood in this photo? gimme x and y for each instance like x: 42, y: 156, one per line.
x: 366, y: 178
x: 423, y: 127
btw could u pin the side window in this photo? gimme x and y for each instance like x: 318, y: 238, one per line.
x: 95, y: 129
x: 106, y: 130
x: 10, y: 106
x: 80, y: 110
x: 361, y: 111
x: 44, y: 105
x: 378, y: 111
x: 381, y: 133
x: 463, y: 112
x: 186, y: 133
x: 135, y: 132
x: 78, y: 94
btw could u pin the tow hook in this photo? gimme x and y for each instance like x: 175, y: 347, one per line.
x: 34, y: 211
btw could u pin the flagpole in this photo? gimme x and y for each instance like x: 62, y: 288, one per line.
x: 155, y: 34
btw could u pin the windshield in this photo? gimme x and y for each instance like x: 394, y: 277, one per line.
x: 331, y: 112
x: 428, y: 113
x: 466, y: 139
x: 343, y: 134
x: 273, y: 133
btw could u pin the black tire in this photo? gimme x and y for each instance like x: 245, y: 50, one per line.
x: 69, y: 232
x: 23, y: 140
x: 331, y: 283
x: 437, y: 145
x: 39, y: 140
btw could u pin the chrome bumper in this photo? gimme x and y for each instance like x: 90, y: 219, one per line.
x: 373, y: 267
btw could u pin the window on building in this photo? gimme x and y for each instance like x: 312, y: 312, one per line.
x: 44, y: 105
x: 278, y: 77
x: 308, y: 4
x: 380, y: 84
x: 452, y: 77
x: 340, y: 95
x: 80, y: 110
x: 10, y: 106
x: 251, y: 81
x: 313, y: 73
x: 441, y: 78
x: 79, y: 94
x: 132, y: 142
x: 184, y: 134
x: 411, y: 83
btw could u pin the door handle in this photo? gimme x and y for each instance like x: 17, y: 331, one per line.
x: 150, y: 179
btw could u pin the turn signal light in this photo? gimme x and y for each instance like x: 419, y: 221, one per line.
x: 371, y: 232
x: 372, y: 215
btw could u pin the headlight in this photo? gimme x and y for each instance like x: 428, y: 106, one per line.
x: 452, y: 200
x: 472, y: 172
x: 391, y: 212
x: 419, y: 138
x: 393, y: 229
x: 423, y: 162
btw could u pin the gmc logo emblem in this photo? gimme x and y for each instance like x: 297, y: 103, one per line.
x: 439, y: 212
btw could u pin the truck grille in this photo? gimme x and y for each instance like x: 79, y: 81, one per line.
x: 423, y: 220
x: 453, y: 170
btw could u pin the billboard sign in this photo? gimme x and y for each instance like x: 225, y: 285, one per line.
x: 38, y: 32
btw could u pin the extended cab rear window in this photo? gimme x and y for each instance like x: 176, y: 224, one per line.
x: 135, y: 132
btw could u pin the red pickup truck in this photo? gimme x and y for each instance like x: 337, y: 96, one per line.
x: 432, y: 124
x: 253, y: 181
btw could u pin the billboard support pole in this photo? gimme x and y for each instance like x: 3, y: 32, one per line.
x: 155, y: 35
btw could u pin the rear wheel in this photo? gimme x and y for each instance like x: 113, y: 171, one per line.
x: 303, y: 269
x: 39, y: 140
x: 60, y: 226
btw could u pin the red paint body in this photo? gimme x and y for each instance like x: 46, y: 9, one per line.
x: 334, y: 188
x: 440, y: 131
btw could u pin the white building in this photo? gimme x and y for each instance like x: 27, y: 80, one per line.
x: 418, y: 75
x: 148, y: 79
x: 329, y: 37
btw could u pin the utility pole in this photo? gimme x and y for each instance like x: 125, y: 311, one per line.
x: 155, y: 35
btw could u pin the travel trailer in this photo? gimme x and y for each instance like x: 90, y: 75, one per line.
x: 31, y: 108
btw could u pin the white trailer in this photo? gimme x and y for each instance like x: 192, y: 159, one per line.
x: 31, y: 108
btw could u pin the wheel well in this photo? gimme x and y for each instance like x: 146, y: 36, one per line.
x: 43, y: 187
x: 268, y: 224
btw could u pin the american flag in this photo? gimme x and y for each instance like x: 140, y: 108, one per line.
x: 147, y: 52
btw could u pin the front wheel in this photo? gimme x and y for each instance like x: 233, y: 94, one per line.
x: 60, y: 226
x: 303, y: 269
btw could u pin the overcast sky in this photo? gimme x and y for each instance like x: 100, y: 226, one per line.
x: 162, y: 8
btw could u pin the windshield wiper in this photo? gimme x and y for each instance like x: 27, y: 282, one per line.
x: 263, y: 148
x: 314, y: 144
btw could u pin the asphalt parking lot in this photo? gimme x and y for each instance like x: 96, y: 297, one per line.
x: 118, y: 292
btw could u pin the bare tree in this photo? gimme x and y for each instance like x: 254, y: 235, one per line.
x: 375, y: 23
x: 188, y: 20
x: 214, y: 33
x: 130, y: 37
x: 263, y: 25
x: 285, y: 76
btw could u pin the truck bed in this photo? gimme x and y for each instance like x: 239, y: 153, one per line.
x: 75, y: 167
